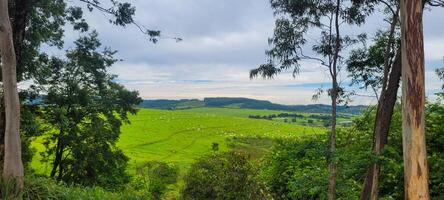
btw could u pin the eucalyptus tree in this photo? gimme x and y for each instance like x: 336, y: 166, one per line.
x: 416, y: 176
x: 84, y: 109
x: 13, y: 167
x: 295, y: 21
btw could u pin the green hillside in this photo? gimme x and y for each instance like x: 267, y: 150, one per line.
x: 179, y: 137
x: 182, y: 136
x: 244, y: 103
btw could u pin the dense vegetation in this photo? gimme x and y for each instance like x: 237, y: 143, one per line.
x: 223, y: 176
x: 295, y: 168
x: 73, y: 132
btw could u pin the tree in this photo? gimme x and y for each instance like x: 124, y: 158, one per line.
x: 13, y: 166
x: 85, y: 109
x: 379, y: 67
x: 413, y: 101
x: 295, y: 19
x: 33, y: 24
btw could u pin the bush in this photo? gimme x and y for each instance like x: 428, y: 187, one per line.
x: 222, y: 176
x: 296, y: 169
x: 155, y: 177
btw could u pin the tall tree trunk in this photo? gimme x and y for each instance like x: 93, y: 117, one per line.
x: 22, y: 10
x: 413, y: 99
x: 386, y: 104
x: 13, y: 166
x: 382, y: 125
x: 332, y: 166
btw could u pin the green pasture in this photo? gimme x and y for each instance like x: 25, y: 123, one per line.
x: 181, y: 136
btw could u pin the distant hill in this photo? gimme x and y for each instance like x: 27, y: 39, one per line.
x: 229, y: 102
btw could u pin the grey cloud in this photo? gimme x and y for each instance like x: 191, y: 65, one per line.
x: 223, y: 40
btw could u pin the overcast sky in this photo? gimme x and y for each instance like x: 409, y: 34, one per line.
x: 222, y: 41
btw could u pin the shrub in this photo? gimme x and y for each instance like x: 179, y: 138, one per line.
x: 222, y: 176
x: 155, y: 177
x: 296, y: 169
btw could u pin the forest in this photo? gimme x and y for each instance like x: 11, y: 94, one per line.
x: 167, y: 120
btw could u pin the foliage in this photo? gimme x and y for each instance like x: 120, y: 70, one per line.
x: 84, y: 109
x: 356, y: 155
x: 222, y: 176
x: 296, y: 20
x: 155, y: 177
x: 435, y: 146
x: 295, y: 169
x: 43, y: 22
x: 40, y: 188
x: 366, y: 64
x: 29, y: 128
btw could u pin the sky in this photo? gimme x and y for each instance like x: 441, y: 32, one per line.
x: 222, y: 42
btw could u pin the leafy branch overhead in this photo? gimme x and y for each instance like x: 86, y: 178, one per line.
x: 295, y: 20
x: 123, y: 15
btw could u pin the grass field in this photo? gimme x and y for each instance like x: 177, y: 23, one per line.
x: 181, y: 136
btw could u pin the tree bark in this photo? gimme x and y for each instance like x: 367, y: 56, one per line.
x: 58, y: 157
x: 19, y: 21
x: 13, y: 166
x: 332, y: 148
x: 413, y: 99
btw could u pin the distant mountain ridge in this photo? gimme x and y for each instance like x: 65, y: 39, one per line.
x: 230, y: 102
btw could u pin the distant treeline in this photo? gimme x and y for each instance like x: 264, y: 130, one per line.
x: 280, y: 115
x: 227, y: 102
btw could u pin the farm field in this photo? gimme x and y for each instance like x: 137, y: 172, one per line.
x: 181, y: 136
